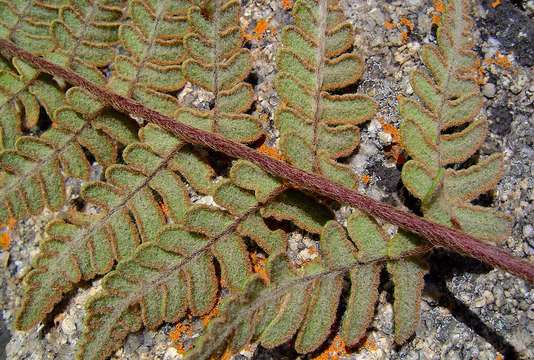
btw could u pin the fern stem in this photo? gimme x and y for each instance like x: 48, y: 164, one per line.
x: 438, y: 235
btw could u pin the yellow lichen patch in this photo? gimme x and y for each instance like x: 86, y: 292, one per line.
x: 496, y: 3
x: 334, y: 352
x: 499, y: 357
x: 258, y: 266
x: 270, y: 151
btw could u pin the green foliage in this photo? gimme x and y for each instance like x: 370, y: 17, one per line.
x: 219, y: 64
x: 304, y: 301
x: 146, y: 229
x: 450, y: 98
x: 317, y: 127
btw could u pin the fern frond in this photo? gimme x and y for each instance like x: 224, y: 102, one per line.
x: 26, y: 23
x: 450, y: 97
x: 153, y: 37
x: 35, y: 168
x: 129, y: 213
x: 304, y: 302
x: 22, y: 93
x: 84, y: 35
x: 316, y: 126
x: 219, y: 64
x: 189, y: 249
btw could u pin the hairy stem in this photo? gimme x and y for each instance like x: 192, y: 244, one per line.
x: 437, y: 234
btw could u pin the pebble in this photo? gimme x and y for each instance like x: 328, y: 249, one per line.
x: 528, y: 230
x: 68, y: 325
x: 489, y: 90
x: 171, y: 354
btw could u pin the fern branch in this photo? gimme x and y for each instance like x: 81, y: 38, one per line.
x: 437, y: 234
x: 316, y: 126
x: 135, y: 281
x: 450, y: 96
x: 239, y: 309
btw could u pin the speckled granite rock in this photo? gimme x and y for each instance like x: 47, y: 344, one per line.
x: 468, y: 310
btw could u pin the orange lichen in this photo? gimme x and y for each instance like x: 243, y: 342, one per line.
x: 261, y: 27
x: 5, y: 241
x: 481, y: 78
x: 436, y: 20
x: 165, y: 209
x: 206, y: 318
x: 370, y: 345
x: 366, y: 179
x: 389, y: 25
x: 11, y: 223
x: 407, y: 22
x: 287, y: 4
x: 270, y: 151
x: 259, y: 31
x: 404, y: 37
x: 499, y: 357
x: 500, y: 60
x: 439, y: 6
x: 393, y: 131
x: 226, y: 356
x: 334, y: 352
x: 258, y: 266
x: 176, y: 335
x: 496, y: 3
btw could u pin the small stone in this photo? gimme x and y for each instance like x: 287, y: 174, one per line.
x: 528, y: 230
x: 489, y: 90
x: 171, y: 354
x: 385, y: 138
x: 488, y: 297
x: 377, y: 16
x: 68, y: 325
x: 480, y: 302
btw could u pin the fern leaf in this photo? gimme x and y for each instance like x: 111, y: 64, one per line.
x: 304, y: 302
x: 219, y: 65
x: 207, y: 234
x: 26, y: 23
x: 450, y: 97
x: 95, y: 243
x: 22, y: 93
x: 307, y: 309
x: 61, y: 150
x: 83, y: 35
x: 181, y: 257
x: 153, y: 36
x: 317, y: 127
